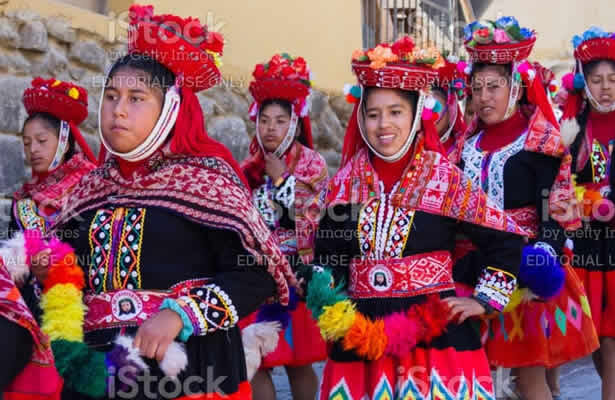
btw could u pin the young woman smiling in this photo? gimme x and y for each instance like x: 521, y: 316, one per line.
x: 404, y: 333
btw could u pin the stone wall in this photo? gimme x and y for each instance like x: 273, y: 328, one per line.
x: 31, y: 45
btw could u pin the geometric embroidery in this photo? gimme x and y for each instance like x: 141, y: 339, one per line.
x: 407, y: 389
x: 560, y: 319
x: 480, y: 393
x: 383, y: 390
x: 128, y: 271
x: 340, y: 391
x: 116, y: 239
x: 574, y: 313
x: 437, y: 388
x: 209, y: 308
x: 585, y: 306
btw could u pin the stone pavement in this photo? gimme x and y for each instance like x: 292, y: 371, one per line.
x: 578, y: 381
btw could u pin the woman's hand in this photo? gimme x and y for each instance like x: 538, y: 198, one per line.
x: 274, y: 167
x: 464, y: 308
x: 39, y: 264
x: 157, y: 333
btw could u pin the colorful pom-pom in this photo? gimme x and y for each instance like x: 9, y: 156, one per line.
x: 579, y: 82
x: 355, y: 91
x: 430, y: 103
x: 461, y: 66
x: 437, y: 107
x: 427, y: 115
x: 568, y: 81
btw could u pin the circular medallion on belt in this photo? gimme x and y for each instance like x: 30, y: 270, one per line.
x: 125, y: 305
x: 380, y: 278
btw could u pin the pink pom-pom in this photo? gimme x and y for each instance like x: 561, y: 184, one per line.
x: 34, y: 243
x: 523, y: 68
x: 568, y: 81
x: 402, y: 334
x: 427, y: 115
x: 461, y: 66
x: 59, y: 249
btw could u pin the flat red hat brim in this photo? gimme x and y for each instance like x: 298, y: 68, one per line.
x: 395, y: 76
x: 501, y: 53
x: 175, y: 52
x: 596, y: 49
x: 267, y: 89
x: 59, y: 105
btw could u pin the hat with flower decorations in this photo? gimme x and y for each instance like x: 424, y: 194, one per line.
x: 288, y: 78
x: 498, y: 42
x: 65, y: 101
x: 402, y: 66
x: 592, y: 45
x: 502, y: 42
x: 183, y: 45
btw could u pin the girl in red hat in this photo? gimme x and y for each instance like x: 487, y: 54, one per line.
x: 521, y: 161
x: 288, y: 180
x: 169, y: 251
x: 589, y: 118
x: 382, y: 290
x: 50, y: 137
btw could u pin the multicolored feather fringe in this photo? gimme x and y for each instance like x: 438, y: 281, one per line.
x: 395, y: 335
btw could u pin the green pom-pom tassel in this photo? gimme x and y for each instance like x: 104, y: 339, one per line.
x: 83, y: 369
x: 321, y: 292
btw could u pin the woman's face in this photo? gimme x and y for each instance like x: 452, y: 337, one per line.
x: 388, y: 120
x: 130, y: 109
x: 273, y: 124
x: 601, y: 83
x: 443, y: 123
x: 490, y: 94
x: 40, y: 142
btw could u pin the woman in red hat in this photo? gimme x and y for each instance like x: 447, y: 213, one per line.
x: 589, y: 117
x: 382, y: 290
x: 288, y: 179
x: 522, y: 163
x: 170, y: 252
x: 50, y: 137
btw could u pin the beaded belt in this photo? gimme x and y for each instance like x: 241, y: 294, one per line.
x: 401, y: 277
x: 124, y: 308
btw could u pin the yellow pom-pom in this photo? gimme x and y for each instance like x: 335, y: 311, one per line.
x: 336, y: 320
x: 56, y: 83
x: 73, y: 93
x: 63, y: 312
x: 216, y: 57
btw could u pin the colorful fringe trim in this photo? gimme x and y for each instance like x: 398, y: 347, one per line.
x: 395, y: 335
x: 83, y: 369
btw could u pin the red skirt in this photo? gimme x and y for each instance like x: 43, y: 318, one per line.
x: 600, y: 289
x: 544, y: 333
x: 423, y: 374
x: 299, y: 344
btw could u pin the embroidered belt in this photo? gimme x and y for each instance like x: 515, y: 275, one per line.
x: 526, y: 218
x: 130, y: 308
x: 401, y: 277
